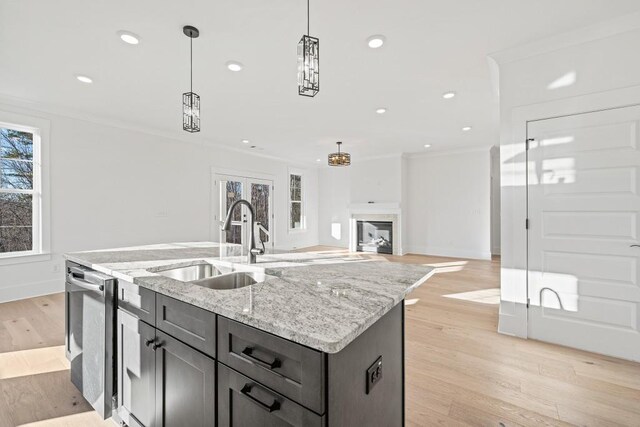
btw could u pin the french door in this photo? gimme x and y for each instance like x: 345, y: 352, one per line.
x: 227, y: 189
x: 584, y: 220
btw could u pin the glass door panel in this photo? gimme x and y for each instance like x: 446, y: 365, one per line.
x: 259, y: 193
x: 261, y: 202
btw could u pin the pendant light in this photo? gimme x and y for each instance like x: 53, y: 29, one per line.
x: 191, y: 100
x: 339, y: 158
x: 308, y: 63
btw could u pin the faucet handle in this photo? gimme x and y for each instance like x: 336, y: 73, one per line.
x: 257, y: 251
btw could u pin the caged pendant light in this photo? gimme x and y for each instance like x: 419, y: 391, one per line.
x: 191, y: 100
x: 308, y: 63
x: 339, y: 158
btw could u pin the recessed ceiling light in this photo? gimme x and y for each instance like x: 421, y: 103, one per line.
x: 84, y: 79
x: 245, y: 141
x: 376, y: 41
x: 318, y: 160
x: 129, y: 37
x: 427, y: 145
x: 448, y: 95
x: 234, y: 66
x: 381, y: 110
x: 466, y: 128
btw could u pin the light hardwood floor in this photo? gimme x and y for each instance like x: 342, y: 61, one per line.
x: 460, y: 371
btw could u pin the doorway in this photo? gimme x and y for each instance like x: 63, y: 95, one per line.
x: 228, y: 189
x: 583, y: 282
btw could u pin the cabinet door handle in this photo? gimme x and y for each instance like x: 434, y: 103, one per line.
x: 149, y: 342
x: 634, y: 246
x: 247, y: 353
x: 269, y: 408
x: 156, y: 346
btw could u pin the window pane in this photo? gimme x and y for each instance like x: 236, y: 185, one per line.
x: 15, y: 144
x: 16, y: 174
x: 260, y: 203
x: 234, y: 235
x: 295, y: 187
x: 296, y: 215
x: 15, y: 222
x: 234, y: 193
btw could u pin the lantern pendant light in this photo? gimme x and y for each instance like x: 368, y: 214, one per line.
x: 339, y: 158
x: 191, y: 100
x: 308, y: 63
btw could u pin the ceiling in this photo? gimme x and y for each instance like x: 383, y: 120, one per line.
x: 432, y: 46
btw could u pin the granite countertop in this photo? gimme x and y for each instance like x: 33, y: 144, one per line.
x: 323, y: 300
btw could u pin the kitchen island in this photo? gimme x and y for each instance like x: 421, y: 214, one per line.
x: 316, y: 339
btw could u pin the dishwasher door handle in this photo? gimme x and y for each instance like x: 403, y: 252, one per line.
x: 84, y: 284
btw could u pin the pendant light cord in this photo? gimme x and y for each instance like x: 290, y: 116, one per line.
x: 308, y: 32
x: 191, y: 59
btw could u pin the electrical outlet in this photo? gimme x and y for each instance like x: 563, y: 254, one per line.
x: 374, y: 374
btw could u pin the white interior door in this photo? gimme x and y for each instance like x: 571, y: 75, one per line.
x: 259, y: 192
x: 583, y: 206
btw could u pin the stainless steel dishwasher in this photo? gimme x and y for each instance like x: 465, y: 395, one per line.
x: 90, y: 334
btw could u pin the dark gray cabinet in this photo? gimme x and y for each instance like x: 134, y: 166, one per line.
x: 162, y: 381
x: 291, y: 369
x: 243, y: 402
x: 168, y: 376
x: 185, y: 385
x: 135, y: 371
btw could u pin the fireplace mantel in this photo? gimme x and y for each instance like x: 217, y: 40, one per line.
x: 375, y: 208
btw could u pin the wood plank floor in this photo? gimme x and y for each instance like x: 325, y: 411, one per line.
x: 460, y: 371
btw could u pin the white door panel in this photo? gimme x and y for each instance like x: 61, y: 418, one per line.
x: 583, y: 204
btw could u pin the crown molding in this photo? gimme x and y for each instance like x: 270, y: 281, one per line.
x: 458, y: 150
x: 29, y: 107
x: 601, y: 30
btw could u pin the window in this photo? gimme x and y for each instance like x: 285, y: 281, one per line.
x: 296, y: 202
x: 20, y: 191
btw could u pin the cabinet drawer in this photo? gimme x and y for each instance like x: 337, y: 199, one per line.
x: 244, y: 402
x: 191, y: 325
x: 290, y: 369
x: 137, y: 300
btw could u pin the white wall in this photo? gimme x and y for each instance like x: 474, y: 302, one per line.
x: 376, y: 180
x: 334, y: 197
x: 605, y: 66
x: 449, y: 204
x: 114, y: 187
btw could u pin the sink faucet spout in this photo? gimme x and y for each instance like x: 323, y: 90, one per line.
x: 253, y: 251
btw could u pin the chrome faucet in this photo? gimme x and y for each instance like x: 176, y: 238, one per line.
x: 253, y: 251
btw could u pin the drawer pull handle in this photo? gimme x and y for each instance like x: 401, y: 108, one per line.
x: 270, y: 408
x: 247, y: 353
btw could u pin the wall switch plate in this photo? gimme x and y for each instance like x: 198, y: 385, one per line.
x: 374, y: 374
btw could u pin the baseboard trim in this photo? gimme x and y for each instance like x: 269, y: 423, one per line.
x: 30, y: 290
x: 447, y: 252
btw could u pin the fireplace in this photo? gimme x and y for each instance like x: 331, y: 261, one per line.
x: 375, y: 236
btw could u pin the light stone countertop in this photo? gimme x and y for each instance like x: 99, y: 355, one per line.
x: 323, y: 300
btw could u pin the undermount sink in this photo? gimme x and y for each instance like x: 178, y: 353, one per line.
x: 191, y: 272
x: 210, y: 276
x: 235, y: 280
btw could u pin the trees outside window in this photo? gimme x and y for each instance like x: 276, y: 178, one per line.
x: 17, y: 191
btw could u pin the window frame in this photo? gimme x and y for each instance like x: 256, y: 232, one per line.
x: 303, y: 221
x: 39, y: 128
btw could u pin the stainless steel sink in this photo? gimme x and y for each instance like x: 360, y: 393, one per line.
x: 191, y: 272
x: 238, y: 279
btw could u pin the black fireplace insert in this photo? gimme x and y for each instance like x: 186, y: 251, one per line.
x: 375, y: 236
